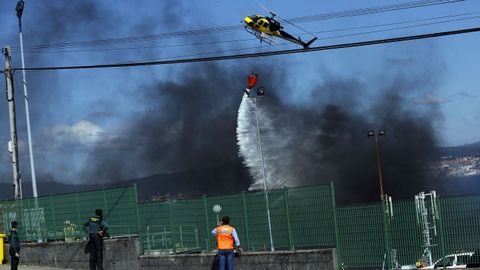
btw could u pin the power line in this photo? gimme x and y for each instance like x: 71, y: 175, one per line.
x: 252, y: 39
x: 261, y: 54
x: 401, y: 27
x: 373, y: 10
x: 325, y: 38
x: 303, y: 19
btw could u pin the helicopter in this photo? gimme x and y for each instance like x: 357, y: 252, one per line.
x: 267, y: 29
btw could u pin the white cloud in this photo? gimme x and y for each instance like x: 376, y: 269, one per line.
x: 466, y: 94
x: 431, y: 100
x: 83, y: 132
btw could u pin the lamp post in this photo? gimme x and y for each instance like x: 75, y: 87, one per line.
x: 261, y: 93
x: 217, y: 209
x: 381, y: 133
x: 19, y: 10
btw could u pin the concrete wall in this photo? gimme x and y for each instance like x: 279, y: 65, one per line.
x: 123, y: 254
x: 284, y: 260
x: 119, y: 254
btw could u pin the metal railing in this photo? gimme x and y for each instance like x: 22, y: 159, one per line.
x: 165, y: 239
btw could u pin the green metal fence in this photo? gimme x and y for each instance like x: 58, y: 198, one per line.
x: 371, y: 237
x: 61, y: 217
x: 365, y: 235
x: 300, y: 218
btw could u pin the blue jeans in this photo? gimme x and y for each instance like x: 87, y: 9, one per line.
x: 225, y: 256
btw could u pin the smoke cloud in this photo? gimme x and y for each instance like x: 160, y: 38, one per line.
x: 316, y: 145
x: 182, y: 119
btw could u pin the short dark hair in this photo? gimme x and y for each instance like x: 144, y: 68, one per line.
x: 99, y: 212
x: 226, y: 220
x: 14, y: 224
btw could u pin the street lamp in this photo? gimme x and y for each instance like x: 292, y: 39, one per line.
x: 371, y: 133
x: 261, y: 93
x: 217, y: 209
x: 19, y: 10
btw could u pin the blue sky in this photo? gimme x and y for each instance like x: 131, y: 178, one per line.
x: 76, y: 113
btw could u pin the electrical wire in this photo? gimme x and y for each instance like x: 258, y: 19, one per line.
x: 325, y: 38
x: 260, y: 54
x: 374, y: 10
x: 287, y: 43
x: 303, y: 19
x: 252, y: 39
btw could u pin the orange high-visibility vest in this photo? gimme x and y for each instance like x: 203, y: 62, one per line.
x: 225, y: 237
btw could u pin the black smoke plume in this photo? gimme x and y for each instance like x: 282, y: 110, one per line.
x: 187, y: 122
x: 326, y: 139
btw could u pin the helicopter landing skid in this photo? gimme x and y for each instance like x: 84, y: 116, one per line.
x: 262, y: 36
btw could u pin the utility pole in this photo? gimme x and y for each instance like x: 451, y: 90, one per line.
x: 13, y: 123
x: 19, y: 10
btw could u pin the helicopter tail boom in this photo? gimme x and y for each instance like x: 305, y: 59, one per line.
x: 306, y: 45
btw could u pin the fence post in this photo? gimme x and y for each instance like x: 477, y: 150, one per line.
x: 335, y: 226
x: 386, y: 236
x: 440, y: 229
x: 77, y: 202
x: 104, y: 193
x: 287, y: 213
x: 245, y: 218
x: 135, y: 191
x: 22, y: 216
x: 30, y: 227
x: 172, y: 224
x: 53, y: 217
x: 205, y: 208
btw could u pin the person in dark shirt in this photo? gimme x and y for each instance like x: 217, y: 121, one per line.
x: 14, y: 249
x: 96, y: 227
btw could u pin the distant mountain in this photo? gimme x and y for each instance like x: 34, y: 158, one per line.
x: 44, y: 189
x: 220, y: 180
x: 462, y: 150
x: 227, y: 179
x: 473, y: 145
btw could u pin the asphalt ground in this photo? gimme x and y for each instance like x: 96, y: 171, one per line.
x: 28, y: 267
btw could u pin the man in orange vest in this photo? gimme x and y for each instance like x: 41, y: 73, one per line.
x: 251, y: 82
x: 227, y: 241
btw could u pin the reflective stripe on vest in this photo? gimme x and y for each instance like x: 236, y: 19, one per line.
x: 225, y: 237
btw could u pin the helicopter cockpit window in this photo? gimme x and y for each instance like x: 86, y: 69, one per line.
x: 265, y: 24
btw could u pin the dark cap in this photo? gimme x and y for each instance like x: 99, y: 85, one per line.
x: 226, y: 220
x: 99, y: 212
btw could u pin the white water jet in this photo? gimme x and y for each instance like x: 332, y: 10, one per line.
x: 249, y: 148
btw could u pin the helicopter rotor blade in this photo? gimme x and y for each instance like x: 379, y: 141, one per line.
x: 271, y: 12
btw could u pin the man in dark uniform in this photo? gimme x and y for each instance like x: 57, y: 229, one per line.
x: 14, y: 249
x: 96, y: 228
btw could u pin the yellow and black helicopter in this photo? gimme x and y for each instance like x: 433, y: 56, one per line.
x: 267, y: 29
